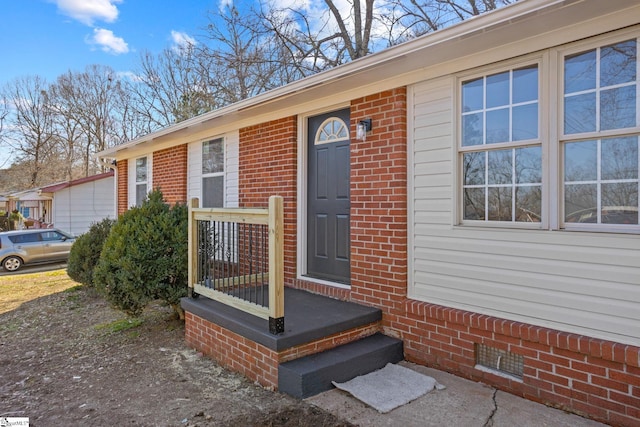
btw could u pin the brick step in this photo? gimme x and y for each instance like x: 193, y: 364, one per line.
x: 313, y: 374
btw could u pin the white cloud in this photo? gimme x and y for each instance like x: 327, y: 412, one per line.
x: 108, y: 42
x: 88, y: 11
x: 182, y: 40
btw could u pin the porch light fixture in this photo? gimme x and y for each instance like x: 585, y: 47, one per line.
x: 363, y: 127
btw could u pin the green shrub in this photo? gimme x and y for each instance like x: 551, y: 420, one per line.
x: 145, y: 257
x: 85, y: 252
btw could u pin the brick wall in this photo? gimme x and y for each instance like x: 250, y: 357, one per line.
x: 123, y: 186
x: 170, y: 173
x: 379, y: 203
x: 268, y: 166
x: 253, y: 360
x: 585, y: 375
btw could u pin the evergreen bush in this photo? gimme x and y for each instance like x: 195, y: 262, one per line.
x: 86, y: 250
x: 145, y: 257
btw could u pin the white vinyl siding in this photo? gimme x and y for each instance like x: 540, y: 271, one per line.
x: 231, y: 179
x: 77, y: 207
x: 586, y: 283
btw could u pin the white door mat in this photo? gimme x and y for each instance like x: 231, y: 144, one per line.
x: 389, y: 387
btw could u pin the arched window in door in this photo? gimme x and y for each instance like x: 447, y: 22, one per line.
x: 332, y: 129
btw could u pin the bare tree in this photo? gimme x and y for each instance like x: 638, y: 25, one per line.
x: 169, y: 88
x: 316, y: 41
x: 88, y: 102
x: 30, y: 127
x: 4, y: 113
x: 407, y: 19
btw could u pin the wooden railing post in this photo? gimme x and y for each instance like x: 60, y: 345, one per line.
x: 276, y: 265
x: 193, y: 248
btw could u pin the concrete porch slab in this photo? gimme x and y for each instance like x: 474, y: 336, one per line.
x: 308, y: 317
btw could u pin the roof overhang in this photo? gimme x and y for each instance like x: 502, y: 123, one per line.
x: 487, y: 38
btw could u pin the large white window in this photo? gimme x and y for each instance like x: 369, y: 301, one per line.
x: 600, y: 136
x: 592, y: 158
x: 213, y: 173
x: 501, y: 153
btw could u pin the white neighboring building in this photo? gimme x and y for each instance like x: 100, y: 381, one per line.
x: 77, y: 204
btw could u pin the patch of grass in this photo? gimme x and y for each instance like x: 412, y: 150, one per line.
x: 18, y: 289
x: 120, y: 325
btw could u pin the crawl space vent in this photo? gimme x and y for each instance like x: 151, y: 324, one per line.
x: 499, y: 360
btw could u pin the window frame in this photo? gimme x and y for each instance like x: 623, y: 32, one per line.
x: 563, y: 138
x: 203, y: 175
x: 137, y: 183
x: 540, y: 141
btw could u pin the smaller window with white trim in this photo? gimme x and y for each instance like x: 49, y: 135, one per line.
x: 213, y: 173
x: 500, y: 149
x: 142, y: 174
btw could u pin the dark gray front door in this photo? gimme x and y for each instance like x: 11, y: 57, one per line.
x: 328, y: 204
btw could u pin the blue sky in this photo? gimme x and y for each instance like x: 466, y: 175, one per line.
x: 50, y: 37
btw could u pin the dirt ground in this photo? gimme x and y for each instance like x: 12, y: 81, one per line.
x: 68, y: 359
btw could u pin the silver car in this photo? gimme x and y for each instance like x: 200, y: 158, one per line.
x: 21, y: 247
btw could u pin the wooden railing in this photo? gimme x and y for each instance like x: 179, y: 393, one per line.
x: 236, y: 257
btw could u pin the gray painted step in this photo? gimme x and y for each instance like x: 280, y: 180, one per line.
x: 313, y: 374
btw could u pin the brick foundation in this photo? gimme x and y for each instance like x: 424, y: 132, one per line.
x: 588, y: 376
x: 256, y: 361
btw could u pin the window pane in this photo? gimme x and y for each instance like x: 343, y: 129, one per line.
x: 474, y: 203
x: 141, y: 170
x: 619, y: 158
x: 525, y: 84
x: 529, y: 204
x: 620, y: 203
x: 472, y: 98
x: 618, y: 63
x: 213, y: 192
x: 618, y: 108
x: 499, y: 208
x: 580, y: 72
x: 472, y: 129
x: 498, y: 90
x: 473, y: 164
x: 141, y: 193
x: 580, y: 203
x: 213, y: 156
x: 580, y: 161
x: 498, y: 126
x: 500, y: 167
x: 525, y: 122
x: 529, y: 165
x: 580, y: 113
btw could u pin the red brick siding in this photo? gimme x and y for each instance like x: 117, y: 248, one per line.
x: 232, y: 351
x: 379, y: 203
x: 585, y: 375
x: 268, y: 166
x: 170, y: 173
x: 123, y: 186
x: 253, y: 360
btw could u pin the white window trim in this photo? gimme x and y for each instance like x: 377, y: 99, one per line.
x: 132, y: 177
x: 214, y: 174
